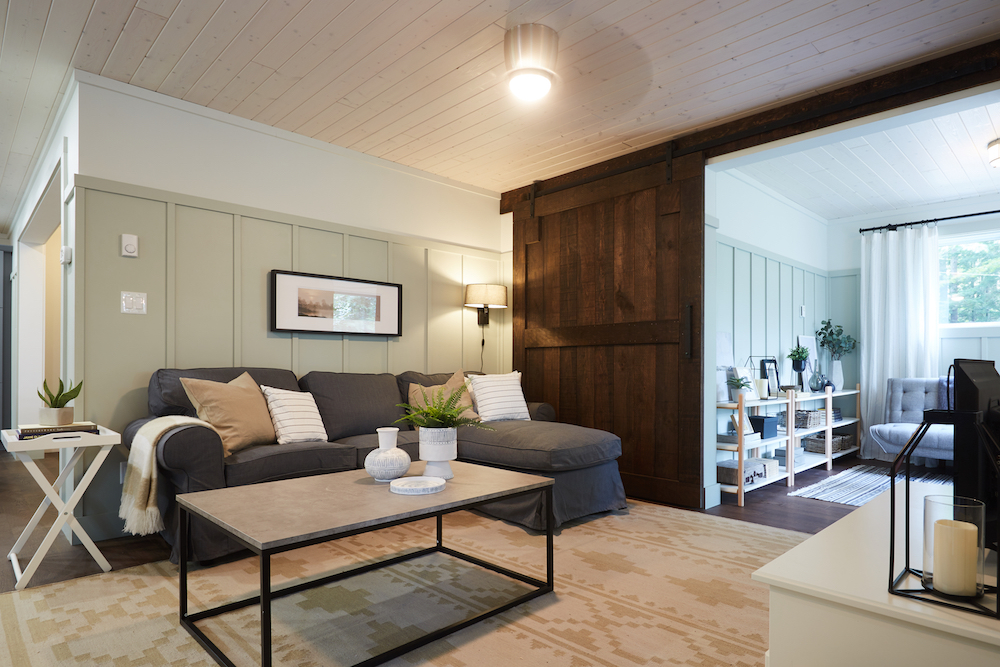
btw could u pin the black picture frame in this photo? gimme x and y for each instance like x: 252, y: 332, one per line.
x: 314, y: 303
x: 769, y: 371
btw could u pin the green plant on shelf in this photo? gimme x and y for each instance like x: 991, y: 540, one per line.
x: 833, y: 338
x: 799, y: 353
x: 739, y: 383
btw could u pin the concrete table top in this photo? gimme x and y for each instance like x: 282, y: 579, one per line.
x: 286, y: 512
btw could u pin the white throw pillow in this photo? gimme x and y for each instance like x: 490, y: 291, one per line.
x: 294, y: 415
x: 499, y: 397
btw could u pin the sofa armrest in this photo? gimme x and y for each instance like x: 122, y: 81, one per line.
x: 190, y: 457
x: 541, y: 412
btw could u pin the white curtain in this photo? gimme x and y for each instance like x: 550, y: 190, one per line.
x: 899, y: 316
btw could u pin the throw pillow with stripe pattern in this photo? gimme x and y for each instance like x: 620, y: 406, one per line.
x: 294, y: 415
x: 499, y: 397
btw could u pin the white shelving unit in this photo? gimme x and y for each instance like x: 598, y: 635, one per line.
x: 790, y: 437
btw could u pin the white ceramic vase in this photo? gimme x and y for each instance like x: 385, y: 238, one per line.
x: 437, y: 447
x: 388, y: 462
x: 55, y: 416
x: 837, y: 374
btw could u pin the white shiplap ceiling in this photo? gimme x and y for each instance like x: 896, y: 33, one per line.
x: 910, y: 164
x: 421, y: 82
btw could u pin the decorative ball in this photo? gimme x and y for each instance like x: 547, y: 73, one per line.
x: 385, y: 465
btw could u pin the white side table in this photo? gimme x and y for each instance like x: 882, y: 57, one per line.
x: 76, y: 443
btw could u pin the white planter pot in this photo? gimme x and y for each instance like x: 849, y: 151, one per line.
x: 437, y: 447
x: 837, y: 375
x: 55, y: 416
x: 388, y: 462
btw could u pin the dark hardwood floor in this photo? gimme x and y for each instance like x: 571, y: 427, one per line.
x: 20, y: 496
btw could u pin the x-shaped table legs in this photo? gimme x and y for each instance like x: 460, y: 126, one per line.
x: 65, y: 512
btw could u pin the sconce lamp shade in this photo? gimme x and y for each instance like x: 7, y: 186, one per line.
x: 993, y: 150
x: 530, y: 52
x: 485, y: 297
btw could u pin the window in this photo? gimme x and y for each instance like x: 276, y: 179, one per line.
x: 970, y: 282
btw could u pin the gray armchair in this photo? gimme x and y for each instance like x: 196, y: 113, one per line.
x: 905, y: 402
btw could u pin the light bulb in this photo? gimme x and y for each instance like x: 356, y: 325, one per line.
x: 530, y: 85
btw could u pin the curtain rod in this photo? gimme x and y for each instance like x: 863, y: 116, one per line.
x: 893, y: 228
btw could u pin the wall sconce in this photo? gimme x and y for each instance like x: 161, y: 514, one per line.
x: 529, y: 51
x: 484, y: 297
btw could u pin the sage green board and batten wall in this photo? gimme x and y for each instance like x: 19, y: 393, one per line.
x: 204, y: 267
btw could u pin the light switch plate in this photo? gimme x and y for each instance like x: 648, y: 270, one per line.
x: 130, y: 245
x: 134, y: 303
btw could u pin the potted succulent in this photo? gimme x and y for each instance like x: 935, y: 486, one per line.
x: 438, y: 420
x: 55, y: 412
x: 738, y: 385
x: 833, y: 339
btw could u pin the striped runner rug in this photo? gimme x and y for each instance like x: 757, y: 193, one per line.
x: 860, y: 484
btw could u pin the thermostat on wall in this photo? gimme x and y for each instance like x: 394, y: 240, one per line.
x: 130, y: 245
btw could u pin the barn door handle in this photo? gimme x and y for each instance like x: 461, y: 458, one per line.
x: 687, y: 321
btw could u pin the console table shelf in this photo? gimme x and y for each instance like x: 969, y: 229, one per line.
x: 790, y: 437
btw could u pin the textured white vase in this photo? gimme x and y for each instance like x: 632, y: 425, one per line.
x: 437, y: 447
x: 55, y: 416
x: 388, y: 462
x: 837, y: 375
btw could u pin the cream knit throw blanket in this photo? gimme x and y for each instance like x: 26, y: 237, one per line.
x: 138, y: 508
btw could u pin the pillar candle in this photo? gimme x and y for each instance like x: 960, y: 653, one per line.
x: 761, y: 387
x: 956, y: 557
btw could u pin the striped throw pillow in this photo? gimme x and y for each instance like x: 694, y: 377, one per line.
x: 294, y: 415
x: 499, y: 397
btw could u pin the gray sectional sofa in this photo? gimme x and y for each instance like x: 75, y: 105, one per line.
x: 582, y: 461
x: 905, y: 402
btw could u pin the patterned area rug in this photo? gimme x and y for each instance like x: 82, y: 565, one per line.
x: 860, y: 484
x: 655, y: 586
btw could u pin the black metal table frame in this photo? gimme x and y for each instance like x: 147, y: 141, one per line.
x: 266, y: 595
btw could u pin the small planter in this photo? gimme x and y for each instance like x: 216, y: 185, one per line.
x: 798, y: 365
x: 437, y: 447
x: 55, y: 416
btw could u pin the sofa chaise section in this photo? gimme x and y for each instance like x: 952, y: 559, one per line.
x: 905, y: 402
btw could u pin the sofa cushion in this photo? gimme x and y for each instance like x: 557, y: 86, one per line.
x: 542, y: 446
x: 937, y: 443
x: 365, y: 444
x: 236, y: 409
x: 294, y: 415
x: 167, y: 397
x: 455, y: 382
x: 500, y: 397
x: 406, y: 378
x: 354, y: 403
x: 265, y: 463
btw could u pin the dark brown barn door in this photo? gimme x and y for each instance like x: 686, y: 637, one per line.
x: 607, y: 299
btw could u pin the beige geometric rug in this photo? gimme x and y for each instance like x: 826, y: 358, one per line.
x: 656, y: 586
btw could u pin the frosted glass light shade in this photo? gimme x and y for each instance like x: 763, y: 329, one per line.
x: 993, y: 150
x: 486, y: 296
x: 530, y: 52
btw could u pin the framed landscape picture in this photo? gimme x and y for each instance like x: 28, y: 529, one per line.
x: 311, y: 303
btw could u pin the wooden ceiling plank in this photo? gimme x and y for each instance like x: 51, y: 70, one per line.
x: 823, y: 184
x: 324, y: 119
x: 162, y: 7
x: 900, y: 163
x: 104, y: 26
x: 456, y: 87
x: 889, y: 174
x: 303, y: 32
x: 138, y: 35
x: 23, y: 37
x: 182, y: 28
x: 969, y: 152
x: 243, y: 84
x: 836, y: 169
x: 224, y: 26
x: 903, y: 20
x: 4, y: 8
x: 916, y: 153
x: 237, y: 56
x: 325, y: 57
x: 264, y: 93
x: 364, y: 63
x: 63, y: 26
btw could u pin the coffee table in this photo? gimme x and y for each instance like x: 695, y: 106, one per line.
x: 274, y: 517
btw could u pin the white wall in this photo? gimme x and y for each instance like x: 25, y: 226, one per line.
x: 131, y: 135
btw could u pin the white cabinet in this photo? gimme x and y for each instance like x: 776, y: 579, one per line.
x: 789, y: 438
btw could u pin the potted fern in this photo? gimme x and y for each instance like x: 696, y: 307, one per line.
x: 438, y: 421
x: 55, y: 412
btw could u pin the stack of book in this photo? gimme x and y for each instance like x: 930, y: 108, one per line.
x: 31, y: 431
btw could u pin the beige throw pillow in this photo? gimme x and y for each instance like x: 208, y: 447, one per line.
x: 416, y: 397
x: 236, y: 409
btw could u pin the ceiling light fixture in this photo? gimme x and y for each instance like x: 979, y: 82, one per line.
x: 993, y: 150
x: 529, y: 51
